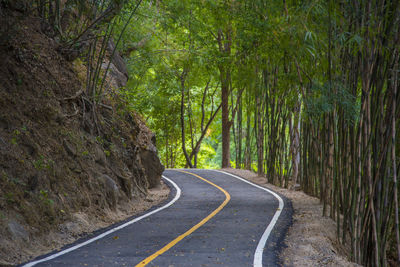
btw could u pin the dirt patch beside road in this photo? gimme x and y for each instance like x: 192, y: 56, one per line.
x: 311, y: 240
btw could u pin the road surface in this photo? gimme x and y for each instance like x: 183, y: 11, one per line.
x: 211, y: 219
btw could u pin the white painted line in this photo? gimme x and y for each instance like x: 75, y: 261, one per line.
x: 258, y: 255
x: 177, y: 196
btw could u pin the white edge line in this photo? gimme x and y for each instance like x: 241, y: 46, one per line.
x: 177, y: 196
x: 258, y: 255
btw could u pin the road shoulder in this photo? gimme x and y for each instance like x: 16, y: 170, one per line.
x: 311, y: 239
x: 156, y: 198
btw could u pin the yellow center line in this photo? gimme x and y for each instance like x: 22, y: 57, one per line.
x: 194, y: 228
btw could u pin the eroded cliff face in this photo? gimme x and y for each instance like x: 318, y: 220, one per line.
x: 62, y: 175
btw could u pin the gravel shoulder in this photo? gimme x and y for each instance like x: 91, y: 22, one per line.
x: 311, y: 240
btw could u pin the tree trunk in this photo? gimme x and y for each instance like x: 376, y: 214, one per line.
x: 259, y: 136
x: 225, y: 122
x: 224, y: 44
x: 239, y: 137
x: 396, y: 200
x: 295, y: 143
x: 182, y: 78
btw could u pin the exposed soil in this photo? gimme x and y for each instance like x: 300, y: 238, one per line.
x: 311, y: 240
x: 63, y: 171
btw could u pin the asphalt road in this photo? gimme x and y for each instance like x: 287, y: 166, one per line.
x: 210, y: 219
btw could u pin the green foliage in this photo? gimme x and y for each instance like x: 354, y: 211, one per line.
x: 278, y: 50
x: 44, y: 197
x: 14, y: 141
x: 39, y: 163
x: 100, y: 140
x: 9, y: 196
x: 2, y: 216
x: 325, y: 98
x: 43, y: 164
x: 15, y: 136
x: 16, y: 181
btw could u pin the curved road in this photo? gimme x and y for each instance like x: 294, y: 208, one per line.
x: 211, y: 219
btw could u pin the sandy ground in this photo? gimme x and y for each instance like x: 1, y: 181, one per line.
x: 311, y: 240
x: 82, y: 224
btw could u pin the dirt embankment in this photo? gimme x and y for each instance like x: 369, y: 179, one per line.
x: 311, y: 240
x: 59, y: 176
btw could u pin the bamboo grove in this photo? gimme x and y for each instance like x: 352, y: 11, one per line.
x: 303, y: 92
x: 349, y: 160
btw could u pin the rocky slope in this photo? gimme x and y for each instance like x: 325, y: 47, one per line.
x: 60, y: 176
